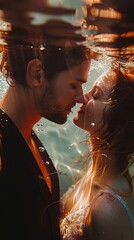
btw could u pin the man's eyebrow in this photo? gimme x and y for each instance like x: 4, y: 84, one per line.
x: 81, y: 80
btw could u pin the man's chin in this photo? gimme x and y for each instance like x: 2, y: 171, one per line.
x: 57, y: 119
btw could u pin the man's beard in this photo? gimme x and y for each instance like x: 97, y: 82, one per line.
x: 50, y: 109
x: 56, y: 117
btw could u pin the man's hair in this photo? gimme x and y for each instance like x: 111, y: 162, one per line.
x: 54, y: 60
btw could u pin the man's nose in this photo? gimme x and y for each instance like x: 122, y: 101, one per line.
x: 79, y: 97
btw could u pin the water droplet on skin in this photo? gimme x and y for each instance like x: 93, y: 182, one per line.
x: 41, y: 149
x: 47, y: 162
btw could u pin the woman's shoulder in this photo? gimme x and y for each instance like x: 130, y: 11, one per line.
x: 105, y: 206
x: 109, y: 219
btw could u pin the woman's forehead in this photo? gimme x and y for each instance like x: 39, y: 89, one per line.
x: 106, y: 80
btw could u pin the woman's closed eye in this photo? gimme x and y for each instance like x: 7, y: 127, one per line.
x: 96, y: 94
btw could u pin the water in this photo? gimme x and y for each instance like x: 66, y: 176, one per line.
x: 107, y: 27
x: 64, y: 143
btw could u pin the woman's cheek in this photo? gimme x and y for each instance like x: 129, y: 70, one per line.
x: 90, y: 105
x: 91, y: 108
x: 90, y: 114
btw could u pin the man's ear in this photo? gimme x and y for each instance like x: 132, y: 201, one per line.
x: 34, y: 73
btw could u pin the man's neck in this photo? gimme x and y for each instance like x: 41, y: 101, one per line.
x: 17, y: 106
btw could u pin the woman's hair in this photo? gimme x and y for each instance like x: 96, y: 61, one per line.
x: 120, y: 121
x: 54, y: 59
x: 117, y: 140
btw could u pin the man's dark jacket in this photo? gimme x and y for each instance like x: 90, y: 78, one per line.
x: 28, y: 210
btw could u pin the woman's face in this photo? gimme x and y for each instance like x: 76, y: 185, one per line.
x: 91, y: 114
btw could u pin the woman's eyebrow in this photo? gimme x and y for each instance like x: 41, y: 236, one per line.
x: 97, y: 87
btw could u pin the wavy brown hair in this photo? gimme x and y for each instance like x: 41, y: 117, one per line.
x: 54, y: 60
x: 116, y: 140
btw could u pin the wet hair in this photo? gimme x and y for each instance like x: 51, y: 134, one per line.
x: 120, y: 121
x: 54, y: 59
x: 117, y: 140
x: 117, y: 132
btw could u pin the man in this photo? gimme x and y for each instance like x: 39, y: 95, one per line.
x: 47, y: 83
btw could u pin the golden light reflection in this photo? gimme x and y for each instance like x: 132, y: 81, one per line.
x: 105, y: 13
x: 4, y: 26
x: 92, y: 1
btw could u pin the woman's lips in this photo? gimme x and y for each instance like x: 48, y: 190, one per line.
x: 81, y: 110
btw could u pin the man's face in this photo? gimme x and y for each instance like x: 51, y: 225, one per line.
x: 63, y: 93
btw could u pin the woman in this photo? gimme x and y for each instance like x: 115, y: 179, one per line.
x: 101, y: 205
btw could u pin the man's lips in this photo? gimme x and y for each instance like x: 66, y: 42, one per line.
x: 69, y: 108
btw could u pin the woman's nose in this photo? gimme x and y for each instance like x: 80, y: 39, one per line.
x: 87, y: 96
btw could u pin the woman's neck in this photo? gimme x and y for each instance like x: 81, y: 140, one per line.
x: 107, y: 173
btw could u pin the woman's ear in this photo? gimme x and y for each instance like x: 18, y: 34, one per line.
x: 34, y: 73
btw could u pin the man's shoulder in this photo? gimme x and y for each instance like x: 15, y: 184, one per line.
x: 0, y: 151
x: 1, y: 134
